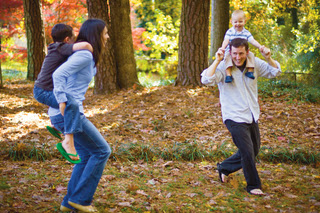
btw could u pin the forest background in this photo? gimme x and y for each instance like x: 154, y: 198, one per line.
x: 167, y: 137
x: 290, y: 29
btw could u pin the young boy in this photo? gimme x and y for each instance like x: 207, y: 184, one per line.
x: 58, y: 52
x: 238, y: 20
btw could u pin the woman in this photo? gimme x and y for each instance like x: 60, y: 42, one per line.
x: 73, y: 78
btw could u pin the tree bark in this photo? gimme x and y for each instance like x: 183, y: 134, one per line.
x: 193, y: 41
x: 1, y: 83
x: 106, y: 77
x: 219, y: 25
x: 123, y: 44
x: 35, y: 37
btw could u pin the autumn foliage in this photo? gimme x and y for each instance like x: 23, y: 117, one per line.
x: 71, y: 12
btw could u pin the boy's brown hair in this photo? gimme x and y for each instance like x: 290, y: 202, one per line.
x: 61, y: 31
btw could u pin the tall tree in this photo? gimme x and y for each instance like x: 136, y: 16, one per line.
x: 123, y: 44
x: 1, y: 83
x: 8, y: 18
x: 35, y: 37
x: 193, y: 41
x: 106, y: 77
x: 219, y: 25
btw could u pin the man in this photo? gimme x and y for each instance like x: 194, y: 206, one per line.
x: 240, y: 108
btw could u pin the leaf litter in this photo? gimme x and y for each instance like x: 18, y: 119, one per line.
x: 159, y: 116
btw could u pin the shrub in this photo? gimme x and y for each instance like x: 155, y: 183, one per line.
x: 22, y: 151
x: 289, y: 90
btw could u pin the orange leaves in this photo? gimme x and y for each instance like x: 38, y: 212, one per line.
x: 159, y: 118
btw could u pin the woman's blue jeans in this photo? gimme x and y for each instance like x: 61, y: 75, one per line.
x: 247, y: 139
x: 94, y: 152
x: 71, y: 112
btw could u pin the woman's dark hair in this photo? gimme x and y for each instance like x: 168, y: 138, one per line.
x: 91, y: 31
x: 61, y: 31
x: 239, y: 42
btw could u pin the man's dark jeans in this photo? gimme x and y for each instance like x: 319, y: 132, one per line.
x: 247, y: 138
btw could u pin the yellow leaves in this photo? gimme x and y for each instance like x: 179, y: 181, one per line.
x: 50, y: 1
x: 21, y: 146
x: 208, y: 205
x: 204, y: 163
x: 234, y: 183
x: 132, y: 187
x: 112, y: 126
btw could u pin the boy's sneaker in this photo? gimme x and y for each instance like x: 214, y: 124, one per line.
x: 250, y: 75
x: 229, y: 79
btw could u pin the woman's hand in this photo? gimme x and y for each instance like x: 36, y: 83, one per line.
x: 62, y: 107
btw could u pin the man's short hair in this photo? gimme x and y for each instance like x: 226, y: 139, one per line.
x: 239, y: 42
x: 60, y: 31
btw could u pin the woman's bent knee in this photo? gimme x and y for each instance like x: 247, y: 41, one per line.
x: 105, y: 152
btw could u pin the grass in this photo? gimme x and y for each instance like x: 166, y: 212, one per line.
x: 191, y: 151
x: 14, y: 65
x: 23, y: 151
x: 187, y: 151
x: 18, y: 71
x: 10, y: 75
x: 299, y: 156
x: 153, y: 80
x: 12, y: 70
x: 289, y: 90
x: 4, y: 185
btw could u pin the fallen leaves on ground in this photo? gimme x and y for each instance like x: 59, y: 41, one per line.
x: 159, y: 116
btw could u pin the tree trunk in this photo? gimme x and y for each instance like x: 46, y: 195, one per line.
x: 1, y: 83
x: 35, y: 37
x: 193, y: 41
x: 106, y: 77
x: 294, y: 15
x: 123, y: 44
x: 219, y: 25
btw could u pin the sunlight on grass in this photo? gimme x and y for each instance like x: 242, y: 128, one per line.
x: 153, y: 80
x: 10, y: 75
x: 12, y: 70
x: 13, y: 65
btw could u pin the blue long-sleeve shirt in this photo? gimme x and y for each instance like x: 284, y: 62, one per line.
x: 73, y: 78
x: 239, y: 99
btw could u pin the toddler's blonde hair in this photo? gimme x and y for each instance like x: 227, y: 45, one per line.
x: 238, y: 12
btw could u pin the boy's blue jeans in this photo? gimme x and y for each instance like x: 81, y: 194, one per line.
x: 94, y: 152
x: 247, y: 139
x: 71, y: 112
